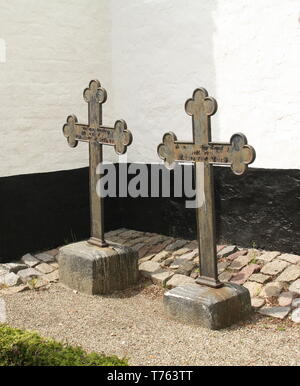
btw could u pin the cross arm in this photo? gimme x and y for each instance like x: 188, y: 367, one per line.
x: 238, y: 154
x: 118, y: 136
x: 73, y: 130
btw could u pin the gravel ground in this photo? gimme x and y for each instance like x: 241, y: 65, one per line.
x: 132, y: 324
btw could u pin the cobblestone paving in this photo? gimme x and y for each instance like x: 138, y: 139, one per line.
x: 272, y: 278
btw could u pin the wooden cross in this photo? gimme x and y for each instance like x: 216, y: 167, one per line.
x: 205, y: 153
x: 96, y: 135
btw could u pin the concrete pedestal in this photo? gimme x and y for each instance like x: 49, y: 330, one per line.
x: 94, y: 270
x: 214, y: 308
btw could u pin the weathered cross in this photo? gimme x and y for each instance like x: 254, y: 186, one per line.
x: 96, y: 135
x: 205, y: 153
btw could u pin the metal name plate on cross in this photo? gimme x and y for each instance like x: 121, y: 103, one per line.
x: 204, y: 153
x: 96, y: 135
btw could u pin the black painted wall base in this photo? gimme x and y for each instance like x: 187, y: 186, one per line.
x: 42, y: 211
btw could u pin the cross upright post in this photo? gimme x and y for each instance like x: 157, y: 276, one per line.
x: 96, y: 135
x: 204, y: 153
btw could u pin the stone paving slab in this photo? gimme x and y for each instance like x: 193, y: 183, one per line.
x: 240, y: 262
x: 28, y: 274
x: 45, y: 257
x: 253, y: 288
x: 291, y: 273
x: 293, y: 259
x: 30, y: 260
x: 177, y: 280
x: 275, y: 312
x: 296, y: 303
x: 271, y: 277
x: 295, y: 287
x: 226, y: 251
x: 267, y: 257
x: 285, y: 299
x: 275, y: 267
x: 296, y: 316
x: 260, y: 278
x: 257, y: 302
x: 14, y: 267
x: 271, y: 289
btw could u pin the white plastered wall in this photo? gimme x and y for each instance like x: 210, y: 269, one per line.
x: 149, y: 55
x: 53, y: 49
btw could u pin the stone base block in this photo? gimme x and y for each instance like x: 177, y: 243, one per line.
x: 94, y: 270
x: 214, y: 308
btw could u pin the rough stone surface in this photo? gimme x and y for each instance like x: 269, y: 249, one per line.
x: 45, y: 257
x: 296, y: 303
x: 11, y: 279
x: 296, y: 315
x: 178, y: 261
x: 160, y: 247
x: 161, y: 277
x: 129, y: 233
x: 178, y: 279
x: 30, y: 260
x: 267, y: 257
x: 28, y: 274
x: 181, y: 251
x: 190, y: 255
x: 176, y: 245
x: 186, y: 268
x: 240, y: 262
x: 224, y: 252
x: 253, y: 288
x: 291, y: 273
x: 245, y: 273
x: 115, y: 232
x: 94, y: 270
x: 14, y: 267
x: 225, y: 276
x: 52, y: 252
x: 152, y: 246
x: 3, y: 271
x: 144, y: 251
x: 161, y: 256
x: 194, y: 275
x: 295, y: 287
x: 44, y: 268
x: 257, y: 302
x: 285, y: 299
x: 137, y: 247
x: 41, y: 282
x: 167, y: 262
x: 13, y: 290
x: 175, y: 264
x: 275, y: 267
x: 192, y: 245
x: 137, y: 242
x: 260, y: 278
x: 234, y: 255
x: 208, y: 307
x: 146, y: 258
x: 53, y: 276
x: 271, y: 289
x: 275, y: 312
x: 147, y: 268
x: 222, y: 266
x: 293, y: 259
x: 154, y: 272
